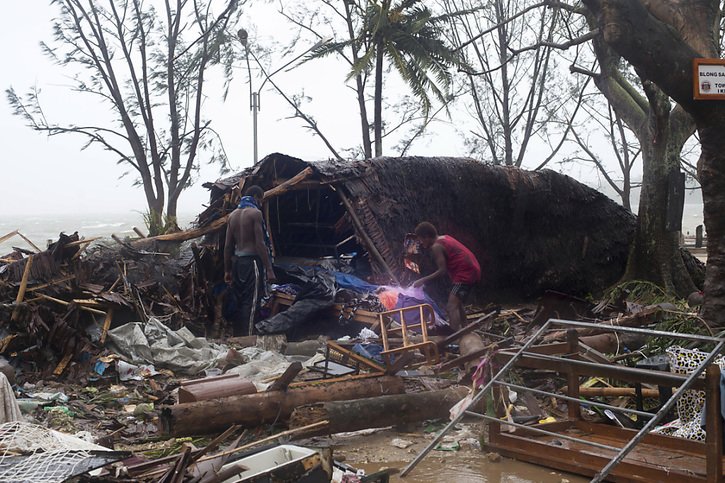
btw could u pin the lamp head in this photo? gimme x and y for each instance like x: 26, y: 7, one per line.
x: 243, y: 36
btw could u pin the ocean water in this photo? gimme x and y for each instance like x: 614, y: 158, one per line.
x: 43, y: 228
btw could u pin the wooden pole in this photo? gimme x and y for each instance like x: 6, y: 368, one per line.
x: 251, y: 410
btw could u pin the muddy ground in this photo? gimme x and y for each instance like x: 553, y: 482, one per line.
x: 374, y: 450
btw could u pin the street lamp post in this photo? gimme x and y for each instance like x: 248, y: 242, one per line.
x: 254, y: 96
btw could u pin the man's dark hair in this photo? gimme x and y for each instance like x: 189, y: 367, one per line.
x: 426, y: 230
x: 255, y: 191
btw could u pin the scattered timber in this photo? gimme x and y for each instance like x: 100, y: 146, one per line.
x: 251, y: 410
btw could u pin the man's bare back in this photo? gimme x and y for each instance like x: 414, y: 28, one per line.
x: 245, y: 236
x: 242, y: 223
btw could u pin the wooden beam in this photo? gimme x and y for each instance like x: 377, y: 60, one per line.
x: 106, y: 325
x: 283, y: 381
x: 63, y: 302
x: 8, y: 235
x: 29, y: 242
x: 287, y: 185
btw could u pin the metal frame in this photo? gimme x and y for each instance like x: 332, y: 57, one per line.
x: 686, y: 383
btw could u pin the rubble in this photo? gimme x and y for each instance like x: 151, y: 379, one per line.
x: 124, y: 341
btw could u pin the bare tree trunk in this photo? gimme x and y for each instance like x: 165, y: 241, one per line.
x: 661, y: 39
x: 379, y: 100
x: 655, y: 254
x: 359, y: 89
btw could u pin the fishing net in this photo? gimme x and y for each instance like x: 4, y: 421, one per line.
x: 31, y: 453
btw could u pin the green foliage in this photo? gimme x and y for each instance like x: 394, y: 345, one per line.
x: 678, y: 318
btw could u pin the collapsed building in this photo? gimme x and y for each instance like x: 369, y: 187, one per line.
x: 531, y: 231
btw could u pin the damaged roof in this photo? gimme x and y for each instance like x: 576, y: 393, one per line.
x: 531, y: 230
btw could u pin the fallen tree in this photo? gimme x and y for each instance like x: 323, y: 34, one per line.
x: 377, y: 412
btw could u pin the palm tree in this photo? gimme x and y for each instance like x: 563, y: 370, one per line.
x: 411, y: 38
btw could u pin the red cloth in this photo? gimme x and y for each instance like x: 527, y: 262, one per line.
x: 461, y: 264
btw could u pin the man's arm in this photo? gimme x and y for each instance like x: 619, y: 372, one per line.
x: 262, y: 250
x: 439, y: 257
x: 229, y: 246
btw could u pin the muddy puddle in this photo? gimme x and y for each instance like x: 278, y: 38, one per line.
x: 379, y: 450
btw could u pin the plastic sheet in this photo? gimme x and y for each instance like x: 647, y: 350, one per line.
x: 155, y: 343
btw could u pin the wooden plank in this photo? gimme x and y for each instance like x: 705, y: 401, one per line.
x: 63, y: 302
x: 8, y: 236
x: 51, y: 283
x: 615, y: 371
x: 29, y: 242
x: 106, y: 325
x: 63, y: 364
x: 713, y: 425
x: 283, y: 381
x: 21, y: 291
x: 646, y: 463
x: 288, y: 184
x: 367, y: 363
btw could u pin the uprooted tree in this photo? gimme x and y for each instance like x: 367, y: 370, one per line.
x: 149, y: 62
x: 661, y: 39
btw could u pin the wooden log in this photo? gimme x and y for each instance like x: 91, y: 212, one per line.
x: 377, y: 412
x: 214, y: 387
x: 251, y: 410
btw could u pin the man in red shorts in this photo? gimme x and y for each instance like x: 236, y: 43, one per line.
x: 454, y: 259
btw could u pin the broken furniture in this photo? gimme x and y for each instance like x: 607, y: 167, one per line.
x: 595, y: 449
x: 394, y: 322
x: 285, y: 462
x: 340, y: 360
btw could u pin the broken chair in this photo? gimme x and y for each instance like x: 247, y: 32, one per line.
x: 393, y: 323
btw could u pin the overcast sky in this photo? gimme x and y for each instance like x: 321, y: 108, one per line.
x: 51, y: 175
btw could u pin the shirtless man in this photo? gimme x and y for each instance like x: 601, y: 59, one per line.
x: 247, y: 259
x: 454, y: 259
